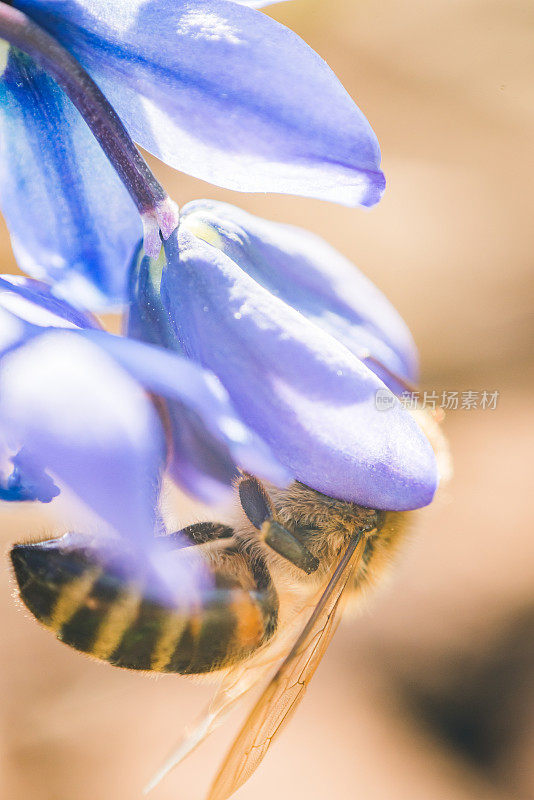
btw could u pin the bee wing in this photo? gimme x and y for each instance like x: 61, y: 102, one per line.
x: 235, y: 686
x: 281, y: 697
x: 233, y: 689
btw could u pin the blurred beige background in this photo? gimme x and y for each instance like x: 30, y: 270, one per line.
x: 430, y: 693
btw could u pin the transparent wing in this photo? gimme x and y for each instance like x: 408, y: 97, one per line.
x: 280, y: 699
x: 234, y: 687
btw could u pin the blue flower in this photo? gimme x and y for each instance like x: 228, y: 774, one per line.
x: 75, y: 407
x: 212, y: 87
x: 287, y: 325
x: 222, y: 92
x: 71, y: 219
x: 310, y: 275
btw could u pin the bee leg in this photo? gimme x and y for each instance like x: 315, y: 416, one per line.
x: 258, y: 507
x: 200, y: 533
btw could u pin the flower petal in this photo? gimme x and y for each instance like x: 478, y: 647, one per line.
x: 13, y: 331
x: 224, y: 93
x: 209, y: 439
x: 34, y: 302
x: 309, y: 398
x: 71, y: 220
x: 28, y: 482
x: 25, y: 480
x: 80, y: 416
x: 311, y: 276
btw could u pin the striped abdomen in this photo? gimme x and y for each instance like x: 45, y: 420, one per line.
x: 106, y: 611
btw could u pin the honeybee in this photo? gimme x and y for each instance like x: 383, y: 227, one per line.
x: 282, y: 571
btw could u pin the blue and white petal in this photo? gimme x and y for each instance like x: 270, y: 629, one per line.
x: 71, y: 220
x: 209, y: 441
x: 20, y: 478
x: 312, y: 277
x: 82, y: 418
x: 13, y: 330
x: 27, y: 306
x: 298, y: 387
x: 224, y: 93
x: 27, y: 481
x: 34, y: 301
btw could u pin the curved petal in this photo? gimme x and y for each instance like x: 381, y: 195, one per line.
x: 81, y: 417
x: 71, y: 220
x: 13, y: 331
x: 34, y: 302
x: 309, y: 398
x: 209, y: 439
x: 224, y: 93
x: 22, y: 479
x: 27, y: 481
x: 311, y: 276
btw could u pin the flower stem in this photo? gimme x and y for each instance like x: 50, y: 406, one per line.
x: 159, y: 213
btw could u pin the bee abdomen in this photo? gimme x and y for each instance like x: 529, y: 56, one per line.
x: 93, y: 609
x: 228, y: 626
